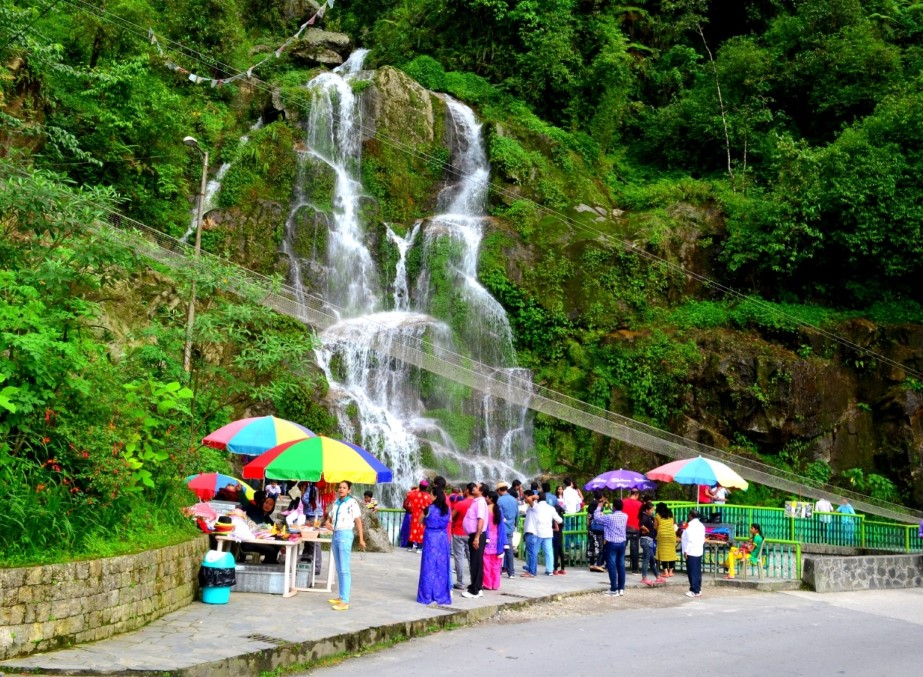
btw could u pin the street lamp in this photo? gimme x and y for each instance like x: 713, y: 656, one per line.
x: 190, y: 318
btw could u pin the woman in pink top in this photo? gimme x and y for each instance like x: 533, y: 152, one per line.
x: 496, y: 541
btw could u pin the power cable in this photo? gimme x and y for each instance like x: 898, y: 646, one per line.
x: 627, y: 245
x: 32, y: 23
x: 421, y: 352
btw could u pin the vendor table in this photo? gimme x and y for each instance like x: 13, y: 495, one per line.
x: 293, y: 551
x: 330, y: 565
x: 714, y: 549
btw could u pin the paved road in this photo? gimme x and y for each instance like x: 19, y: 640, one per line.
x: 727, y: 632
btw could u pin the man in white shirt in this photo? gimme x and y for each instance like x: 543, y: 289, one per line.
x: 719, y: 494
x: 693, y: 549
x: 530, y: 529
x: 545, y: 515
x: 823, y: 505
x: 572, y: 497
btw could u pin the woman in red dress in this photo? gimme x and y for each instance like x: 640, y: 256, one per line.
x: 417, y: 502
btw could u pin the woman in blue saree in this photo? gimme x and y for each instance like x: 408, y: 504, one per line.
x: 435, y: 584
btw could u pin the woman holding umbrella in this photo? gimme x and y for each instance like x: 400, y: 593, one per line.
x: 343, y: 516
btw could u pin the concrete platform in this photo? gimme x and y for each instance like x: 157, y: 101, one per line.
x: 259, y: 632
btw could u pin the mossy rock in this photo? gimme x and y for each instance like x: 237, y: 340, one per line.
x: 404, y: 153
x: 248, y: 235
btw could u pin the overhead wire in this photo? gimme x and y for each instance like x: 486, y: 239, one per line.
x: 31, y: 24
x: 506, y: 383
x: 628, y: 245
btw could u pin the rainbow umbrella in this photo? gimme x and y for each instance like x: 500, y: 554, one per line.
x: 317, y: 458
x: 207, y: 484
x: 253, y: 436
x: 698, y: 471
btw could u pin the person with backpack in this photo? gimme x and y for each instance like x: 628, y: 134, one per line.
x: 648, y: 536
x: 595, y: 556
x: 632, y: 508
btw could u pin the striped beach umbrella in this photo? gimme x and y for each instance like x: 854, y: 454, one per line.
x: 319, y: 458
x: 253, y: 436
x: 698, y: 471
x: 207, y: 484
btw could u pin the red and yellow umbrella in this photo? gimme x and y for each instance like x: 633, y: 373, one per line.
x: 317, y: 458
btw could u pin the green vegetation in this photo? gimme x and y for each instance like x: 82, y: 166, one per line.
x: 97, y: 429
x: 645, y: 158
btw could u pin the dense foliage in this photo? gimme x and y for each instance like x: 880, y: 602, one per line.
x: 98, y: 427
x: 788, y: 135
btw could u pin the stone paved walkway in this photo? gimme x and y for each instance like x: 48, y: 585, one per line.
x: 257, y: 632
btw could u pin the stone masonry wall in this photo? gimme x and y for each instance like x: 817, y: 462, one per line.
x: 48, y: 607
x: 864, y: 572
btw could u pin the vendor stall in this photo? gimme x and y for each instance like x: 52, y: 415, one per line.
x: 310, y: 537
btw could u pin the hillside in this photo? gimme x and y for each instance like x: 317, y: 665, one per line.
x: 705, y: 215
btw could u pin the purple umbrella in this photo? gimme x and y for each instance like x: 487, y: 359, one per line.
x: 619, y: 479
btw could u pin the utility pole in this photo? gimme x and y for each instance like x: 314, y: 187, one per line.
x: 190, y: 318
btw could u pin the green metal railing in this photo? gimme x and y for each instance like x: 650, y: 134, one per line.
x: 784, y: 535
x: 781, y: 558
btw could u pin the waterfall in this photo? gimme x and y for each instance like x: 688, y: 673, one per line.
x: 396, y: 411
x: 503, y: 433
x: 214, y: 186
x: 335, y: 140
x: 401, y: 289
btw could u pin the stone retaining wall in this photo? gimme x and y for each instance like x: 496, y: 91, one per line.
x: 863, y: 572
x: 47, y: 607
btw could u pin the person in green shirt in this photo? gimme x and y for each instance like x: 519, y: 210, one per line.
x: 748, y: 549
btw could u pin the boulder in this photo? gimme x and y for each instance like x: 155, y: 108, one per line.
x: 376, y: 538
x: 320, y: 47
x: 297, y: 9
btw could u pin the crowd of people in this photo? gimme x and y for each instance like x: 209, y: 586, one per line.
x: 468, y: 535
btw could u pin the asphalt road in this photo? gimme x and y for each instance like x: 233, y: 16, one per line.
x: 660, y: 632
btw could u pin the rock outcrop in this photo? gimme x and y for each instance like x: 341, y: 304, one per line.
x: 318, y: 47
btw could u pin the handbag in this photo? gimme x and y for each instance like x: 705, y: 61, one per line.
x: 516, y: 540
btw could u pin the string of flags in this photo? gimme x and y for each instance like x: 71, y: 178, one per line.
x: 218, y: 82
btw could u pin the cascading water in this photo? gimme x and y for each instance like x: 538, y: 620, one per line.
x: 213, y: 187
x: 401, y: 288
x: 396, y: 411
x: 503, y: 433
x: 335, y: 139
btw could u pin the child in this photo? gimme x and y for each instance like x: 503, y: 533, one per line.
x: 368, y: 499
x: 274, y: 490
x: 557, y: 543
x: 747, y: 550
